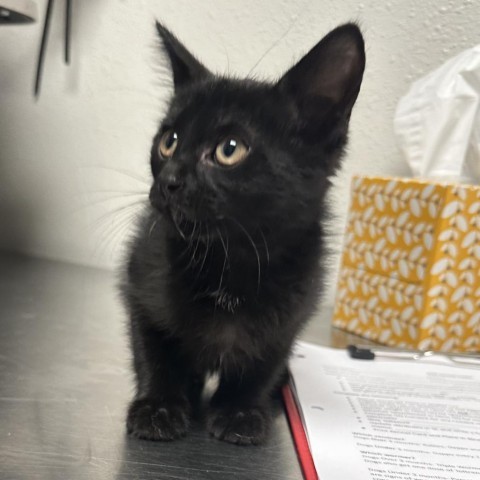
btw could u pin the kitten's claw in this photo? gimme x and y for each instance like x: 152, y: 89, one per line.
x: 153, y: 419
x: 247, y: 426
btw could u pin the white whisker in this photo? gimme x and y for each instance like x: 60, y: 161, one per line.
x: 152, y: 227
x: 109, y: 237
x: 192, y: 258
x: 121, y: 171
x: 259, y: 269
x: 225, y: 248
x: 116, y: 211
x: 177, y: 223
x: 206, y: 253
x: 266, y: 246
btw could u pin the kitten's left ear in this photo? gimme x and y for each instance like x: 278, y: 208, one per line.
x: 328, y: 77
x: 186, y: 68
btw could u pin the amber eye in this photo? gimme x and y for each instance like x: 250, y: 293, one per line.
x: 230, y: 152
x: 168, y: 143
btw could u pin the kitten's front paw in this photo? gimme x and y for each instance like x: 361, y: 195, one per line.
x: 153, y: 419
x: 243, y: 426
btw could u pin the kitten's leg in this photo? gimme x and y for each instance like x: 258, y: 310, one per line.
x: 241, y: 408
x: 161, y: 408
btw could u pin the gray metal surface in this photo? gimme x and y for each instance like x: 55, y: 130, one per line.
x: 65, y: 382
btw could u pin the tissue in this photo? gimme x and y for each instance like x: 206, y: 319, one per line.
x: 437, y: 123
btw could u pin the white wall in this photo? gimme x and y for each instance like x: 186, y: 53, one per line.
x: 64, y: 157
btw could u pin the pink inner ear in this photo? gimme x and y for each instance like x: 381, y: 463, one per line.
x: 335, y: 81
x: 332, y: 69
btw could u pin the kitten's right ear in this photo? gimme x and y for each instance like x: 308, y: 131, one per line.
x: 325, y: 83
x: 186, y: 68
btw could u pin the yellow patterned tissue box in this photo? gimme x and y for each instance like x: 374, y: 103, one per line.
x: 410, y: 274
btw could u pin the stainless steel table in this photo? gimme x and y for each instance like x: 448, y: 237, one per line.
x: 65, y: 382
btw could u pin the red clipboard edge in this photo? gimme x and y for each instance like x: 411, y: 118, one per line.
x: 299, y: 436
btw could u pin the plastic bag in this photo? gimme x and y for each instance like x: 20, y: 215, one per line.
x: 437, y: 123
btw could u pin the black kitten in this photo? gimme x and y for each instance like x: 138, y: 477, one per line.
x: 224, y: 270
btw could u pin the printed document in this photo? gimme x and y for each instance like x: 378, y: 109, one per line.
x: 387, y: 419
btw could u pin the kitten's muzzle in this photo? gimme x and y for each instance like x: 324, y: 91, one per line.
x: 167, y: 189
x: 170, y: 184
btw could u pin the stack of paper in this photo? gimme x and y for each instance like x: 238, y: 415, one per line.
x: 384, y: 420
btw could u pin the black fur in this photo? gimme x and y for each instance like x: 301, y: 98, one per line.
x: 225, y: 268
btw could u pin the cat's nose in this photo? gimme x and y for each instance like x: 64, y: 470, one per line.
x: 171, y: 183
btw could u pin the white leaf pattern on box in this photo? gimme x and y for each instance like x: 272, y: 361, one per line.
x: 432, y: 210
x: 407, y: 237
x: 379, y: 203
x: 468, y: 277
x: 403, y: 267
x: 450, y: 249
x: 406, y: 194
x: 428, y: 241
x: 474, y: 208
x: 460, y: 192
x: 402, y: 219
x: 415, y: 207
x: 353, y: 323
x: 440, y: 266
x: 446, y: 235
x: 397, y: 327
x: 451, y: 279
x: 358, y: 228
x: 456, y: 330
x: 440, y: 332
x: 395, y: 204
x: 436, y: 290
x: 385, y: 335
x: 415, y: 253
x: 420, y: 272
x: 379, y: 245
x: 427, y: 191
x: 459, y: 294
x: 426, y: 344
x: 383, y: 293
x: 448, y: 345
x: 466, y: 264
x: 399, y: 298
x: 467, y: 305
x: 455, y: 317
x: 391, y: 235
x: 372, y: 303
x: 418, y: 301
x: 412, y: 239
x: 369, y: 260
x: 412, y: 331
x: 471, y: 342
x: 462, y: 223
x: 410, y: 289
x: 390, y: 187
x: 474, y: 320
x: 451, y: 209
x: 440, y: 304
x: 368, y: 213
x: 419, y: 228
x: 470, y: 238
x: 430, y: 320
x: 407, y: 313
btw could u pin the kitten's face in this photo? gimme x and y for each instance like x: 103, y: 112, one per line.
x: 232, y: 155
x: 253, y: 153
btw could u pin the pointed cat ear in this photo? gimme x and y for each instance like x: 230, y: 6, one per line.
x: 186, y: 68
x: 328, y: 76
